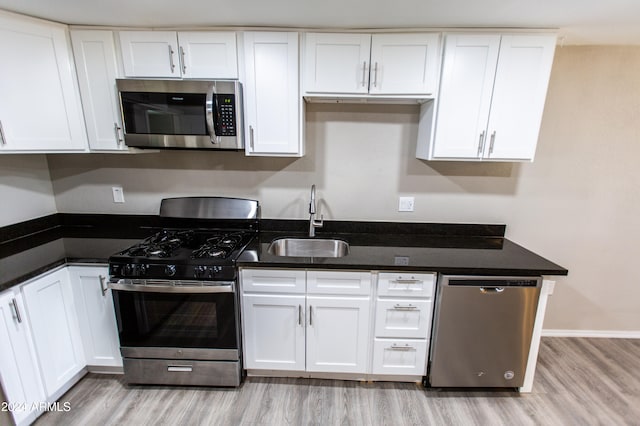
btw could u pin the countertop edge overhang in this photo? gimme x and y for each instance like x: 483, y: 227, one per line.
x: 34, y: 247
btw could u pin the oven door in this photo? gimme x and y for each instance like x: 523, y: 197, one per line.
x: 177, y: 323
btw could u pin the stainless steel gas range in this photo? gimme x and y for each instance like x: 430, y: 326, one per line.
x: 175, y: 295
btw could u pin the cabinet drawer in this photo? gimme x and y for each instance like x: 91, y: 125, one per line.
x: 406, y: 284
x: 339, y: 282
x: 393, y: 356
x: 403, y: 318
x: 273, y: 280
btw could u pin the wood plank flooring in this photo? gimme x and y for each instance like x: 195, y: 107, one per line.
x: 579, y: 381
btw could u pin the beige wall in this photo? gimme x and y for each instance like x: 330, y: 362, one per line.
x: 577, y: 204
x: 25, y: 188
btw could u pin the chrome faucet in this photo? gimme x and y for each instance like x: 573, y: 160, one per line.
x: 313, y: 223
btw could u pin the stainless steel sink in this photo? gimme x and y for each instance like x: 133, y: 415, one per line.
x: 308, y: 247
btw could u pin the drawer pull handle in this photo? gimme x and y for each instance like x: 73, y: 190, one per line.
x: 411, y: 281
x: 405, y: 348
x: 405, y: 307
x: 180, y: 368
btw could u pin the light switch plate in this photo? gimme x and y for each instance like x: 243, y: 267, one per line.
x: 406, y: 204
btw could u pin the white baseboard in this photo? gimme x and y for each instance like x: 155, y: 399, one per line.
x: 616, y: 334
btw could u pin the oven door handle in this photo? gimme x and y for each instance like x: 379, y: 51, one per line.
x: 156, y: 286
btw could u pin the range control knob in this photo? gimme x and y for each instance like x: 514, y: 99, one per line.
x: 199, y: 271
x: 170, y: 270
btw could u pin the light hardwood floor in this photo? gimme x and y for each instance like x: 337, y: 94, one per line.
x: 579, y: 381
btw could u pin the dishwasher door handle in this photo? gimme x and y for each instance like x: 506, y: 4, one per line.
x: 491, y: 290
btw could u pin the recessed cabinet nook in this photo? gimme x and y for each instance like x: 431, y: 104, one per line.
x: 480, y: 95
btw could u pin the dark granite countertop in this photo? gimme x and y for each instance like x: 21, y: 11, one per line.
x: 450, y: 255
x: 34, y: 247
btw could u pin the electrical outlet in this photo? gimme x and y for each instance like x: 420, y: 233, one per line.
x: 118, y: 194
x: 401, y: 260
x: 406, y: 204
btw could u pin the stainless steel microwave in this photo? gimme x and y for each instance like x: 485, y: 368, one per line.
x: 182, y: 114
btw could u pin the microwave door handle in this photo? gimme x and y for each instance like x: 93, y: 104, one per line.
x: 210, y: 119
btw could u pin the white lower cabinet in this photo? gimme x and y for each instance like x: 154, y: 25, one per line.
x: 56, y: 334
x: 274, y: 331
x: 19, y: 373
x: 399, y: 356
x: 308, y: 329
x: 97, y: 320
x: 338, y: 334
x: 404, y: 310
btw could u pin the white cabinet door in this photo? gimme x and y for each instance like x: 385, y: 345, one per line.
x: 272, y: 98
x: 492, y: 96
x: 400, y: 356
x: 403, y: 318
x: 337, y: 334
x: 337, y: 63
x: 274, y: 331
x: 188, y: 54
x: 150, y: 53
x: 339, y: 282
x: 404, y: 64
x: 208, y: 54
x: 468, y: 72
x: 96, y: 65
x: 54, y: 323
x: 97, y: 319
x: 273, y: 280
x: 19, y: 371
x: 40, y: 108
x: 519, y: 94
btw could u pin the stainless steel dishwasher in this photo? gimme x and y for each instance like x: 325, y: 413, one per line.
x: 482, y: 330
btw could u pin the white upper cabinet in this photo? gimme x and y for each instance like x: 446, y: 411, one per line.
x: 337, y: 63
x: 271, y: 94
x: 171, y: 54
x: 40, y: 108
x: 97, y: 69
x: 491, y: 97
x: 404, y: 64
x: 378, y: 64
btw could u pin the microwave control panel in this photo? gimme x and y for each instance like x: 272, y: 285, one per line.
x: 226, y: 107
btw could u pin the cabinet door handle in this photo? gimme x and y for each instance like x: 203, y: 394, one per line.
x: 481, y: 143
x: 299, y: 314
x: 493, y: 139
x: 2, y: 140
x: 405, y: 348
x: 103, y: 288
x: 171, y: 52
x: 408, y: 307
x: 184, y: 64
x: 310, y: 315
x: 117, y: 129
x: 375, y: 75
x: 364, y: 70
x: 251, y: 138
x: 14, y: 303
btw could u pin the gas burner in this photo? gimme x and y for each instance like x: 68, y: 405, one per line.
x: 219, y: 246
x: 162, y: 244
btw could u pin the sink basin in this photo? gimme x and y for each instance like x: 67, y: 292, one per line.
x: 308, y: 247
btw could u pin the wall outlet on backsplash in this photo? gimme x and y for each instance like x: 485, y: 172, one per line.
x: 118, y: 194
x: 406, y: 204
